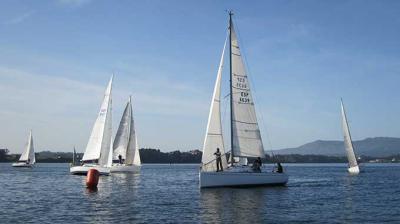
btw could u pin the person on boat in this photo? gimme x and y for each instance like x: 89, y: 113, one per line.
x: 257, y: 165
x: 28, y: 161
x: 280, y: 168
x: 219, y: 160
x: 120, y: 159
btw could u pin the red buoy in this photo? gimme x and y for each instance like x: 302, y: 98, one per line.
x: 92, y: 178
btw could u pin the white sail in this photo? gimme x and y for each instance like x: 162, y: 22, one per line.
x: 246, y: 133
x: 29, y: 153
x: 110, y: 156
x: 122, y: 137
x: 214, y: 138
x: 98, y: 146
x: 348, y: 144
x: 136, y: 159
x: 125, y: 143
x: 131, y: 147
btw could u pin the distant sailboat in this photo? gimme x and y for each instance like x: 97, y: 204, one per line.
x: 75, y: 161
x: 126, y: 156
x: 348, y: 143
x: 245, y: 139
x: 27, y: 158
x: 99, y: 145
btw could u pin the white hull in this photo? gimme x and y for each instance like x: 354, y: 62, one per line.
x: 226, y: 179
x: 82, y: 170
x: 23, y: 164
x: 354, y: 170
x: 118, y: 168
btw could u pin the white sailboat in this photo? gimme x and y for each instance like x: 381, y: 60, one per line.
x: 126, y: 156
x: 74, y: 159
x: 27, y: 158
x: 348, y: 143
x: 246, y: 140
x: 99, y: 145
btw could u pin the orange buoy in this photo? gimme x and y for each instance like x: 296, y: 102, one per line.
x: 92, y: 178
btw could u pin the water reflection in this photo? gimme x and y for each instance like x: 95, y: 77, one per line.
x: 91, y: 190
x: 349, y: 190
x: 241, y: 205
x: 110, y: 200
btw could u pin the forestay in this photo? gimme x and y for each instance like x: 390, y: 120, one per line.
x: 98, y: 146
x: 348, y: 144
x: 214, y: 138
x: 246, y: 133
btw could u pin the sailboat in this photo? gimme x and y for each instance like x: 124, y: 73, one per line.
x: 348, y: 143
x: 245, y: 136
x: 126, y: 156
x: 99, y: 145
x: 74, y: 159
x: 27, y: 158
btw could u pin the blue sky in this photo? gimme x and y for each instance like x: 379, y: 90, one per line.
x: 56, y: 58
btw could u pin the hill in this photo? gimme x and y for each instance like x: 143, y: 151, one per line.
x: 373, y: 147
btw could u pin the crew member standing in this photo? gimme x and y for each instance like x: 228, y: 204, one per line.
x: 219, y: 160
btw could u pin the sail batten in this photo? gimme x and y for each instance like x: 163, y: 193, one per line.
x: 348, y: 143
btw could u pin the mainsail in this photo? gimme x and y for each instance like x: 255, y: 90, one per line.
x: 98, y: 146
x: 246, y: 137
x: 125, y: 143
x: 214, y: 138
x: 121, y: 140
x: 348, y: 144
x: 29, y: 153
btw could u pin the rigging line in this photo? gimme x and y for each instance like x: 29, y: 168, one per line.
x: 247, y: 67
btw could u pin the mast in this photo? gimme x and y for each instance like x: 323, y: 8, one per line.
x: 230, y: 81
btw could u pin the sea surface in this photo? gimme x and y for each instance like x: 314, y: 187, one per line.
x: 316, y: 193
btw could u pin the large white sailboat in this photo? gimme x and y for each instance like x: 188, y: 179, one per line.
x: 27, y: 158
x: 99, y: 145
x: 126, y: 156
x: 348, y: 143
x: 245, y: 139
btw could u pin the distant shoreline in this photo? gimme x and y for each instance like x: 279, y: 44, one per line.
x: 155, y: 156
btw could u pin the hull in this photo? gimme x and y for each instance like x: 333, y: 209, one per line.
x: 82, y: 170
x: 118, y: 168
x: 22, y: 165
x: 231, y: 179
x: 354, y: 170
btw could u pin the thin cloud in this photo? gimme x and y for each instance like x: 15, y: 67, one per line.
x: 48, y: 103
x: 19, y: 19
x: 74, y: 3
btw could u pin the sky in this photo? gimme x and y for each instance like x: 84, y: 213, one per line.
x: 57, y: 56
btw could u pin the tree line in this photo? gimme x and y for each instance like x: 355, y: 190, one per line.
x: 148, y: 155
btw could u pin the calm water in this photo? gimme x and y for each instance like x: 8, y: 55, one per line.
x: 170, y: 194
